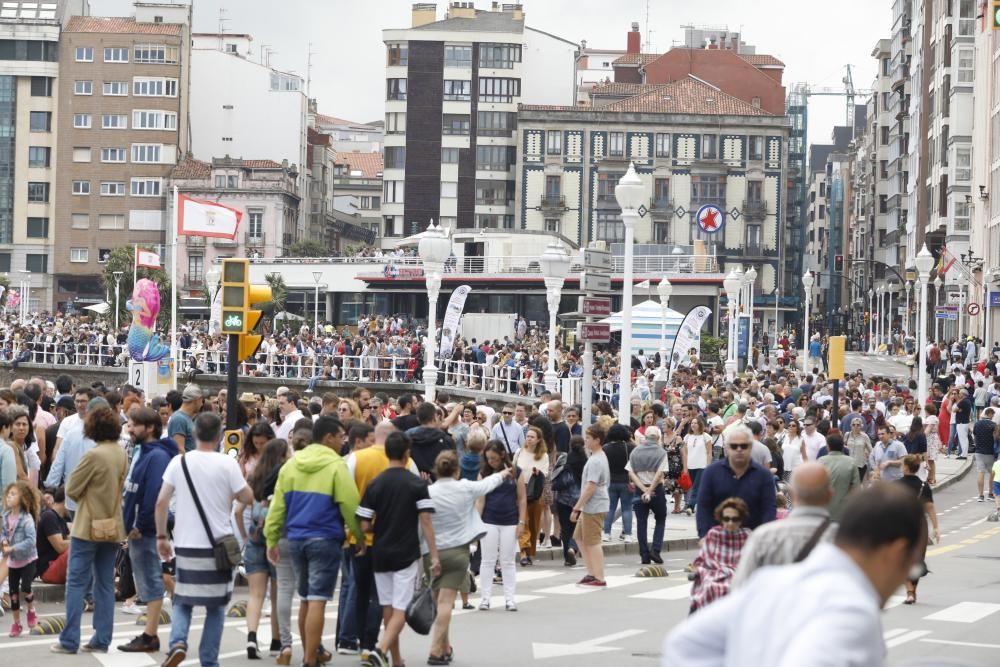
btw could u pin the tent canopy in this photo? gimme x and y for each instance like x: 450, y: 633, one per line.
x: 647, y: 318
x: 99, y: 308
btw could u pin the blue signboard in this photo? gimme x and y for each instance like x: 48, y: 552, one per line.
x: 744, y: 336
x: 994, y: 299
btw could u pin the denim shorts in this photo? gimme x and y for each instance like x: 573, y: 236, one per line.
x: 255, y: 559
x: 147, y: 570
x: 316, y: 563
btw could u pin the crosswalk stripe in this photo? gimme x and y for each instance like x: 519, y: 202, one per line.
x: 534, y: 575
x: 114, y: 658
x: 908, y: 637
x: 889, y: 634
x: 894, y: 601
x: 613, y: 582
x: 680, y: 592
x: 964, y: 612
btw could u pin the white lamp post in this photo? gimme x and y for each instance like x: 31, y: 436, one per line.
x: 630, y: 194
x: 751, y: 279
x: 434, y: 249
x: 731, y: 285
x: 871, y: 320
x: 937, y: 323
x: 663, y: 289
x: 734, y: 334
x: 925, y: 262
x: 879, y: 301
x: 118, y: 281
x: 807, y: 283
x: 555, y: 266
x: 316, y: 278
x: 906, y: 322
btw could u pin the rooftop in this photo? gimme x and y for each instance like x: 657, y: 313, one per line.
x: 483, y: 22
x: 636, y: 59
x: 363, y: 165
x: 619, y: 89
x: 127, y: 26
x: 190, y: 168
x: 323, y: 119
x: 761, y: 60
x: 24, y: 10
x: 755, y: 59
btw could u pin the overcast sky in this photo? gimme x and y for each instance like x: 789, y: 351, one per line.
x: 349, y: 62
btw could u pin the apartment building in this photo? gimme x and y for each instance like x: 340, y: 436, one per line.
x: 357, y: 186
x: 452, y: 91
x: 882, y: 170
x: 985, y: 195
x: 349, y: 135
x: 122, y: 123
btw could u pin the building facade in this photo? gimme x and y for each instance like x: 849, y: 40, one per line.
x: 122, y: 124
x: 452, y: 90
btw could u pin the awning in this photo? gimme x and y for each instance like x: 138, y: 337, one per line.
x: 647, y: 318
x: 99, y: 308
x: 289, y: 316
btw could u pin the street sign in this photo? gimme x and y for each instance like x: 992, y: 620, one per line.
x: 596, y: 259
x: 710, y: 218
x: 994, y: 299
x: 594, y: 306
x: 954, y: 298
x: 946, y: 313
x: 596, y: 282
x: 972, y: 309
x: 595, y: 333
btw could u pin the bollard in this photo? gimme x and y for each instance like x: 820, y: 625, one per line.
x: 651, y: 571
x: 164, y: 618
x: 49, y: 625
x: 238, y: 610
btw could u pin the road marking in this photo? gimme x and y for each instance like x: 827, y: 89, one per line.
x: 672, y: 593
x: 955, y: 643
x: 497, y: 603
x: 889, y: 634
x: 523, y: 577
x: 617, y: 581
x: 964, y: 612
x: 894, y: 601
x: 541, y: 650
x: 908, y: 637
x: 113, y: 658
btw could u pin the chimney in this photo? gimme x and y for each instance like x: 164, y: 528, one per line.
x: 423, y: 13
x: 518, y: 13
x: 634, y: 44
x: 736, y: 43
x: 712, y: 46
x: 462, y: 10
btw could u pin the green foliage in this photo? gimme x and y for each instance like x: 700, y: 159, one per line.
x: 279, y: 295
x: 123, y: 259
x: 710, y: 346
x: 5, y: 283
x: 307, y: 248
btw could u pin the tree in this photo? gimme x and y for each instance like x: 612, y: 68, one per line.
x: 279, y: 295
x: 123, y: 259
x: 307, y: 248
x: 5, y: 284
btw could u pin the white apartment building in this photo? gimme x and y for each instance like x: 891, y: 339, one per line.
x: 985, y: 195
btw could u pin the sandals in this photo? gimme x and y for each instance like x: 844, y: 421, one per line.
x: 911, y: 598
x: 285, y: 656
x: 526, y: 561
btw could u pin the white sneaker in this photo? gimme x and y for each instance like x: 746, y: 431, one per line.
x: 168, y: 604
x: 130, y: 607
x: 606, y: 537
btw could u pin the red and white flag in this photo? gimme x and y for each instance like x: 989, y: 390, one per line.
x: 147, y: 258
x: 196, y: 217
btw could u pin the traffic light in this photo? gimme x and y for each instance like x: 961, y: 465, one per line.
x: 866, y: 317
x: 238, y: 298
x: 838, y: 263
x: 233, y: 443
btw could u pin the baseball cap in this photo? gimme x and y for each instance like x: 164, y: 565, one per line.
x: 66, y: 402
x: 192, y: 392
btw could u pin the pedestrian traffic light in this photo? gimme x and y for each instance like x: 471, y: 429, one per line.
x: 838, y: 263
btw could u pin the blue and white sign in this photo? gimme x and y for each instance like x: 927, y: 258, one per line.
x: 710, y: 218
x: 994, y: 299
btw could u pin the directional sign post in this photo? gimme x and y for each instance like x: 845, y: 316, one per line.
x: 595, y: 306
x: 596, y: 282
x: 595, y: 332
x: 599, y: 260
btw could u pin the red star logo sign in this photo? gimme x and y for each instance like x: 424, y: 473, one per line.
x: 710, y: 218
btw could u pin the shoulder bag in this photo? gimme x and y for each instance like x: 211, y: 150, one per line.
x: 812, y: 542
x: 421, y: 611
x: 226, y: 549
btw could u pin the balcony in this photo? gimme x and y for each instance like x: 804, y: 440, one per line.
x: 254, y: 240
x: 754, y: 210
x: 194, y: 282
x: 661, y: 208
x: 553, y: 203
x: 195, y: 241
x: 224, y: 243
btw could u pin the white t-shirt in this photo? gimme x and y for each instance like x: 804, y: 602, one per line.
x: 287, y: 424
x: 218, y: 479
x: 814, y: 443
x: 697, y: 456
x: 68, y: 425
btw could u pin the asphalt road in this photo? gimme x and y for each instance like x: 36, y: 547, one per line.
x: 559, y: 624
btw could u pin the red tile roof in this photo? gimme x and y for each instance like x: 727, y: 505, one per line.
x: 619, y: 89
x: 685, y: 96
x: 261, y: 164
x: 191, y: 168
x: 761, y: 60
x: 636, y: 59
x: 333, y: 120
x: 128, y: 26
x: 369, y: 164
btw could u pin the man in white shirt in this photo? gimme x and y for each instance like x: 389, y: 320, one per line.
x: 508, y: 431
x: 837, y: 592
x: 813, y: 439
x: 288, y: 407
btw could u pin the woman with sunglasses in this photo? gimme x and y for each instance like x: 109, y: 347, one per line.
x: 859, y: 445
x: 933, y: 441
x: 793, y: 449
x: 720, y: 553
x: 698, y: 444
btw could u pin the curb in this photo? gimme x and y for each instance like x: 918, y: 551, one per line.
x: 957, y: 477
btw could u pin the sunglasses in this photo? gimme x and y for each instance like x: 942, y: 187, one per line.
x: 737, y: 446
x: 508, y: 413
x: 731, y: 519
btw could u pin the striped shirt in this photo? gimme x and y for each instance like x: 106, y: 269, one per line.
x: 199, y: 583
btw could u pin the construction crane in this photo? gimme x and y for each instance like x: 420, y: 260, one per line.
x: 806, y: 91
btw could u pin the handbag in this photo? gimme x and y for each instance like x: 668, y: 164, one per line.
x: 103, y: 530
x: 225, y: 549
x: 684, y: 481
x: 421, y: 611
x: 535, y: 487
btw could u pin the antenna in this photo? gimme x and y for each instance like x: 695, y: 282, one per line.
x: 309, y: 69
x: 263, y: 50
x: 222, y: 27
x: 649, y: 33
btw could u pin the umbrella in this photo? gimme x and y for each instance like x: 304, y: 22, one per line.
x: 289, y: 316
x: 99, y: 308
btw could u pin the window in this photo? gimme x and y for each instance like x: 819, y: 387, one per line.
x: 754, y: 237
x: 397, y: 54
x: 496, y: 123
x: 84, y: 54
x: 756, y: 148
x: 495, y: 158
x: 707, y: 189
x: 38, y: 228
x: 395, y: 122
x: 499, y: 56
x: 255, y: 223
x: 41, y: 121
x: 662, y: 145
x: 392, y: 192
x: 38, y: 192
x: 117, y: 54
x: 455, y: 124
x: 395, y: 157
x: 112, y: 189
x: 553, y: 142
x: 755, y: 192
x: 458, y: 56
x: 111, y: 221
x: 154, y: 120
x: 610, y: 227
x: 81, y: 154
x: 146, y: 87
x: 80, y: 221
x: 494, y: 221
x: 196, y: 266
x: 114, y: 121
x: 113, y: 154
x: 81, y: 121
x: 5, y: 262
x: 963, y: 164
x: 883, y: 169
x: 884, y: 135
x: 79, y: 255
x: 966, y: 65
x: 494, y: 193
x: 661, y: 192
x: 883, y: 204
x: 616, y: 144
x: 822, y: 212
x: 116, y: 88
x: 499, y: 90
x: 395, y: 89
x: 146, y: 187
x: 41, y: 86
x: 81, y: 187
x: 449, y: 156
x: 37, y: 263
x: 103, y: 255
x: 885, y: 66
x: 449, y: 190
x: 146, y: 153
x: 28, y: 50
x: 552, y: 225
x: 457, y: 91
x: 755, y: 102
x: 961, y: 218
x: 156, y: 54
x: 226, y: 181
x: 606, y: 182
x: 709, y: 147
x: 39, y: 156
x: 553, y: 186
x: 285, y: 83
x: 81, y: 87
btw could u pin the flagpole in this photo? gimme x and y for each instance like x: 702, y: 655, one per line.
x: 173, y: 288
x: 135, y: 264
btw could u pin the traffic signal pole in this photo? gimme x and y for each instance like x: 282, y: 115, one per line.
x: 232, y: 368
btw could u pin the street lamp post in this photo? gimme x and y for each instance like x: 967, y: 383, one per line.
x: 316, y: 278
x: 906, y: 323
x: 939, y: 281
x: 734, y: 335
x: 631, y: 195
x: 555, y: 266
x: 118, y: 281
x: 879, y: 300
x: 807, y: 283
x: 434, y: 249
x: 925, y: 262
x: 871, y: 321
x: 731, y: 284
x: 663, y: 289
x: 751, y: 278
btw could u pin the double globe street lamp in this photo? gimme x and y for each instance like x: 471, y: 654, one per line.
x: 924, y: 262
x: 807, y: 282
x: 434, y: 249
x: 630, y: 193
x: 732, y: 285
x: 664, y: 289
x: 554, y: 263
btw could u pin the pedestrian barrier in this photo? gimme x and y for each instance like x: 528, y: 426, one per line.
x: 49, y: 625
x: 651, y: 571
x: 238, y: 610
x: 164, y: 618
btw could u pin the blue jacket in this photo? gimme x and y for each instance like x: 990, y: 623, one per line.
x: 143, y: 486
x: 718, y: 482
x: 22, y: 538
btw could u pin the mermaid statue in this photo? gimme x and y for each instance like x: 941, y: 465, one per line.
x: 143, y: 344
